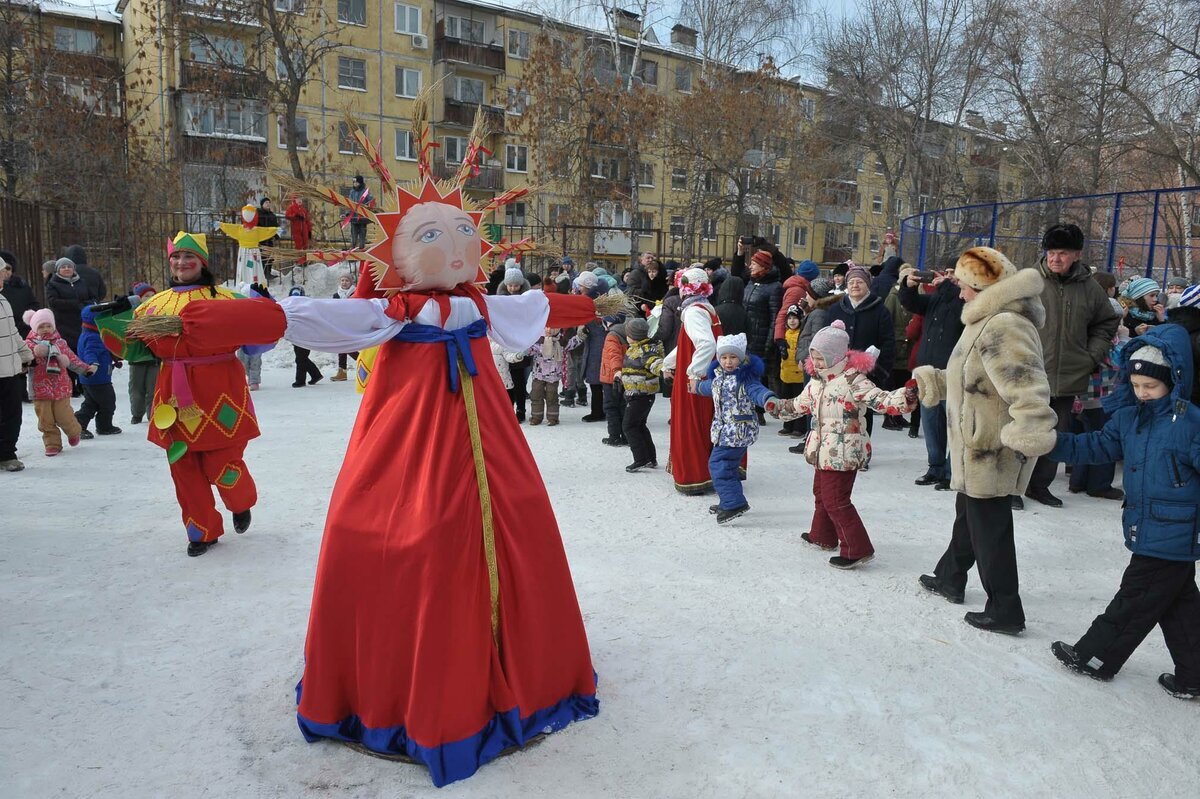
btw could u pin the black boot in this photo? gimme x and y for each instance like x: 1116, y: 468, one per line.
x: 838, y: 562
x: 1167, y: 681
x: 982, y: 621
x: 932, y: 584
x: 1067, y: 655
x: 108, y: 431
x: 1044, y: 496
x: 729, y: 515
x: 197, y: 548
x: 241, y: 521
x: 1016, y: 502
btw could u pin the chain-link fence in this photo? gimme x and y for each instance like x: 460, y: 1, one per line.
x: 1155, y: 233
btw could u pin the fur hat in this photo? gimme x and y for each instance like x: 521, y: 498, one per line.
x: 637, y: 329
x: 1149, y: 361
x: 842, y: 268
x: 820, y: 288
x: 763, y: 259
x: 732, y: 345
x: 1062, y: 237
x: 980, y: 267
x: 1140, y: 287
x: 1190, y: 297
x: 142, y: 289
x: 712, y: 263
x: 832, y: 343
x: 514, y: 276
x: 857, y: 271
x: 808, y: 270
x: 39, y: 317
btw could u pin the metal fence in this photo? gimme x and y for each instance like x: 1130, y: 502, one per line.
x: 1155, y: 233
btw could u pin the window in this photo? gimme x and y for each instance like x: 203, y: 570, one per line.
x: 808, y: 108
x: 352, y: 11
x: 800, y: 236
x: 956, y: 216
x: 290, y: 6
x: 408, y: 82
x: 301, y: 132
x: 454, y: 149
x: 877, y: 204
x: 643, y: 222
x: 205, y: 115
x: 708, y: 229
x: 648, y: 72
x: 646, y: 174
x: 406, y: 148
x: 93, y: 94
x: 683, y: 79
x: 712, y: 184
x: 469, y: 30
x: 516, y: 158
x: 858, y: 164
x: 898, y: 206
x: 606, y: 168
x: 677, y: 227
x: 72, y: 40
x: 610, y: 214
x: 514, y: 214
x: 516, y: 101
x: 873, y: 244
x: 347, y: 144
x: 407, y: 19
x: 774, y: 233
x: 960, y: 145
x: 518, y: 44
x: 556, y: 215
x: 852, y: 238
x: 352, y: 73
x: 678, y: 179
x: 217, y: 50
x: 878, y: 167
x: 468, y: 90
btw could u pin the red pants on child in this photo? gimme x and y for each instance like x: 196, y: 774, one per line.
x: 835, y: 519
x: 196, y: 473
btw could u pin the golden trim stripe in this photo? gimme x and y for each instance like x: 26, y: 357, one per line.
x: 485, y: 498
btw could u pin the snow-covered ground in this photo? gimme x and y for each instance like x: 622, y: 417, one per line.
x: 733, y: 660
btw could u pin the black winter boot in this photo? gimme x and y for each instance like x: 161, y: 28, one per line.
x: 241, y: 521
x: 1167, y: 681
x: 197, y: 548
x: 1067, y: 655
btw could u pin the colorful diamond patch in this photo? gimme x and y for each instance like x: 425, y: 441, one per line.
x: 194, y: 531
x: 229, y: 476
x: 227, y: 416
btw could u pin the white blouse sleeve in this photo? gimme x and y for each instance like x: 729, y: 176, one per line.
x: 329, y: 325
x: 517, y: 322
x: 697, y: 325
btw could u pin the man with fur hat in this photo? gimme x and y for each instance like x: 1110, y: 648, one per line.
x: 1076, y: 337
x: 999, y: 420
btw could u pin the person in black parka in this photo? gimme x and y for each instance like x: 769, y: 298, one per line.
x: 18, y: 293
x: 763, y: 297
x: 730, y: 308
x: 869, y: 324
x: 90, y: 275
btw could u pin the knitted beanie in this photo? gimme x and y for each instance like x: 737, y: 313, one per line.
x: 142, y: 289
x: 763, y: 259
x: 820, y: 288
x: 808, y: 270
x: 732, y: 345
x: 1149, y: 361
x: 832, y: 343
x: 1190, y: 297
x: 637, y: 329
x: 1177, y: 282
x: 1140, y: 287
x: 858, y: 272
x: 514, y: 276
x: 39, y: 317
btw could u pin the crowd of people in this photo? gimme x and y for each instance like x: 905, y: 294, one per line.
x: 1005, y: 372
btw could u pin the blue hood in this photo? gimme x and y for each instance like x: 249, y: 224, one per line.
x: 1176, y: 346
x: 751, y: 370
x: 88, y: 315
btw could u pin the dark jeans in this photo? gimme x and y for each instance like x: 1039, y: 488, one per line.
x: 345, y: 357
x: 1087, y: 477
x: 1045, y: 469
x: 983, y: 536
x: 723, y: 466
x: 358, y: 234
x: 596, y: 410
x: 519, y: 393
x: 99, y: 402
x: 635, y: 429
x: 10, y: 415
x: 934, y: 421
x: 614, y: 408
x: 1153, y: 591
x: 791, y: 391
x: 305, y: 366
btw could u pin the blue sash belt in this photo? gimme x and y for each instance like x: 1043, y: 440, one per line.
x: 458, y: 344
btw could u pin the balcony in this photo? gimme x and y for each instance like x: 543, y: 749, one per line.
x: 233, y: 12
x: 200, y: 150
x: 461, y: 114
x: 834, y: 214
x: 487, y: 57
x: 198, y: 76
x: 490, y: 178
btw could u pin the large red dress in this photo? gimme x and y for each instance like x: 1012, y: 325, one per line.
x: 691, y: 421
x: 401, y: 654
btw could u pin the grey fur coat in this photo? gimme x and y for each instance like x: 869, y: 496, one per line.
x: 998, y: 415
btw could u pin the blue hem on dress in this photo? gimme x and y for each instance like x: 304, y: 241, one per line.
x: 456, y: 760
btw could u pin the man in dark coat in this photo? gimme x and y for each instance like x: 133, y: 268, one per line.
x: 18, y: 293
x: 942, y: 325
x: 869, y: 325
x: 90, y: 275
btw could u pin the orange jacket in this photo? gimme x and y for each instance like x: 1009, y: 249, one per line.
x: 612, y: 357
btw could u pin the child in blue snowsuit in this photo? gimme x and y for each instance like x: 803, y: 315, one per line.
x: 99, y: 398
x: 1156, y: 431
x: 735, y: 384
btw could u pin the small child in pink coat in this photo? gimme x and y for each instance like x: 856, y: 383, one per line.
x: 51, y: 382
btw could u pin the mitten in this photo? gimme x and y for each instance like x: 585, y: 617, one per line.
x: 41, y: 350
x: 781, y: 346
x: 773, y: 406
x: 911, y: 395
x: 260, y: 290
x: 118, y: 364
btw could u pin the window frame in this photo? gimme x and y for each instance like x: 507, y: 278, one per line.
x: 396, y: 6
x: 508, y: 44
x: 677, y: 228
x: 350, y: 10
x: 350, y: 61
x: 412, y: 145
x: 75, y: 34
x: 354, y: 146
x: 681, y: 173
x: 401, y: 74
x: 877, y: 204
x: 460, y: 148
x: 280, y: 121
x: 708, y: 230
x: 685, y: 69
x: 521, y: 151
x: 800, y: 236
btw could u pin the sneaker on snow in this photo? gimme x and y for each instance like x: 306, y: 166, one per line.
x: 637, y: 466
x: 1067, y: 655
x: 807, y: 538
x: 941, y: 485
x: 135, y: 420
x: 197, y: 548
x: 241, y: 521
x: 927, y: 479
x: 1167, y: 681
x: 838, y: 562
x: 729, y: 515
x: 797, y: 449
x: 934, y: 585
x: 982, y: 621
x: 316, y: 380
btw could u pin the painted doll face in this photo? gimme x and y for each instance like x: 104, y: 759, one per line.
x: 436, y: 246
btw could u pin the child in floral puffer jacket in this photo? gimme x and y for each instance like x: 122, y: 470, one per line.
x: 549, y: 357
x: 735, y: 384
x: 837, y: 398
x: 51, y: 383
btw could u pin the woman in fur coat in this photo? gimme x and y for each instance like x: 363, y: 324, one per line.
x: 999, y: 421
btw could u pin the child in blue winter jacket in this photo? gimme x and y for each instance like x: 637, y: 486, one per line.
x: 1156, y: 431
x: 99, y: 398
x: 735, y: 384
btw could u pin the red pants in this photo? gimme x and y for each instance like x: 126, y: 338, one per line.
x: 835, y: 519
x: 196, y: 473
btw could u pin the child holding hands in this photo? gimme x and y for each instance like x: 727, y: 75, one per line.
x: 51, y: 384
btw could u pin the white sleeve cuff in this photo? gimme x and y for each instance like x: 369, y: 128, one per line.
x: 329, y: 325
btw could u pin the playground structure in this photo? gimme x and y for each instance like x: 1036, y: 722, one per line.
x: 1155, y: 233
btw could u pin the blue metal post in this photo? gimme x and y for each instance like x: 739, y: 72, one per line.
x: 1113, y: 227
x: 924, y: 233
x: 1153, y: 233
x: 995, y: 216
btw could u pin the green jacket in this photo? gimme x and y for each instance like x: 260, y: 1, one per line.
x: 643, y: 365
x: 1079, y: 329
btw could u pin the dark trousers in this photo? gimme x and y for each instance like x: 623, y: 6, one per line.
x: 519, y: 393
x: 723, y: 466
x: 358, y: 234
x: 596, y: 410
x: 983, y: 536
x: 99, y: 402
x: 613, y: 395
x: 10, y: 415
x: 635, y: 429
x: 346, y: 357
x: 835, y: 519
x: 1153, y: 591
x: 1045, y: 469
x: 305, y: 366
x: 934, y: 421
x: 791, y: 391
x: 1087, y: 477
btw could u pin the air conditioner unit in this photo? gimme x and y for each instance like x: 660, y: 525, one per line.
x: 420, y: 41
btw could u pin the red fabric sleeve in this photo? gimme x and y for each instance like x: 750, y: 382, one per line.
x: 221, y: 325
x: 570, y: 310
